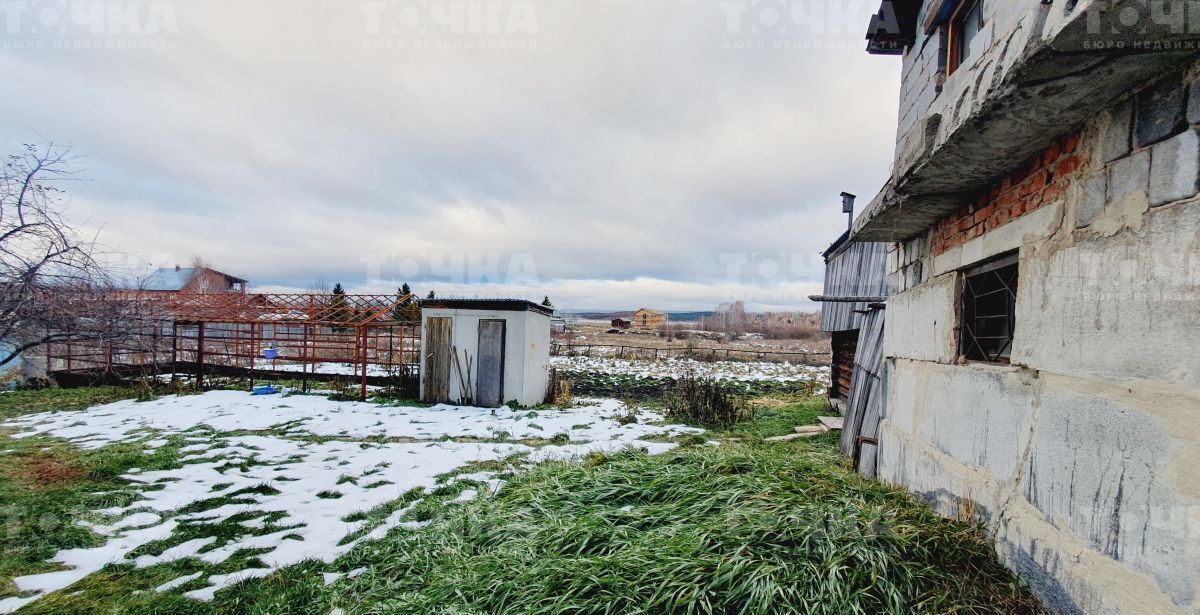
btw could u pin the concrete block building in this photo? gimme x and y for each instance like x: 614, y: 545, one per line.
x: 1042, y: 226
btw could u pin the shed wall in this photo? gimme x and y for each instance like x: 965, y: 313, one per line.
x: 856, y: 270
x: 526, y: 351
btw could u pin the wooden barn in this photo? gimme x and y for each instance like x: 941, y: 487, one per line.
x: 852, y: 312
x: 646, y: 318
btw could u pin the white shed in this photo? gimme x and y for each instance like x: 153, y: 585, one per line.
x: 485, y: 352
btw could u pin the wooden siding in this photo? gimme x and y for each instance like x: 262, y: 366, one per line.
x: 648, y: 319
x: 866, y: 406
x: 436, y: 366
x: 855, y: 270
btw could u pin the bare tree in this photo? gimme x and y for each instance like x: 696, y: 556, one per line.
x: 43, y: 258
x: 319, y: 286
x: 728, y: 318
x: 204, y: 279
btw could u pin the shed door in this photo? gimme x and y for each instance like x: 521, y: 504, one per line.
x: 845, y: 346
x: 437, y: 360
x: 489, y: 390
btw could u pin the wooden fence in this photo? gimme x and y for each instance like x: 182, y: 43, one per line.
x: 622, y: 351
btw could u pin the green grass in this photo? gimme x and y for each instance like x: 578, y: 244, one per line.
x: 47, y: 486
x: 746, y: 527
x: 754, y: 528
x: 29, y: 401
x: 777, y: 416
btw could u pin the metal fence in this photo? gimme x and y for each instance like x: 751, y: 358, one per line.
x: 367, y: 339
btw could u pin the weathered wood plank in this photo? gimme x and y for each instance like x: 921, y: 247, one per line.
x: 856, y: 270
x: 437, y: 360
x: 489, y: 386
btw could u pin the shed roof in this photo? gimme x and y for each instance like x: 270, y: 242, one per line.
x: 836, y: 245
x: 496, y: 305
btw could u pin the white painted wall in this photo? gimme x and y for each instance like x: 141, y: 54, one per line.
x: 526, y: 351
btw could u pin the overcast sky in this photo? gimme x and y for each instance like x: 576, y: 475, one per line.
x: 610, y: 153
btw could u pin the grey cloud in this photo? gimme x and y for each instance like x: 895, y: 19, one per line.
x: 627, y: 152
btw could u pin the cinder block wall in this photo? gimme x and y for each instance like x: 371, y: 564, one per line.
x: 1082, y: 455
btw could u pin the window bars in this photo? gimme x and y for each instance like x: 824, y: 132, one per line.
x: 989, y: 301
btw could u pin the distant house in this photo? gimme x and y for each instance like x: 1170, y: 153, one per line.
x: 199, y: 280
x: 621, y: 323
x: 649, y: 319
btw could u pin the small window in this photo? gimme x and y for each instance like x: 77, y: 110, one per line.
x: 965, y: 25
x: 989, y: 309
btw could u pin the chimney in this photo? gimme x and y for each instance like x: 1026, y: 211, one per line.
x: 848, y: 207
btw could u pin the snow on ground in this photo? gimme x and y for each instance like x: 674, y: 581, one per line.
x: 340, y: 369
x: 674, y: 368
x: 296, y: 491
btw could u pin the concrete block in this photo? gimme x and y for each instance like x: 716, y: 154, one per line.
x: 1103, y: 468
x: 974, y: 413
x: 1116, y: 127
x: 810, y: 429
x: 1095, y: 192
x: 928, y: 316
x: 1127, y: 178
x: 1160, y: 112
x: 1175, y: 168
x: 1115, y: 307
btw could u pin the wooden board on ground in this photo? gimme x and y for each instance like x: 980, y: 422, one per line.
x: 794, y: 436
x: 832, y: 423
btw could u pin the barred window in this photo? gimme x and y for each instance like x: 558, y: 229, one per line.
x: 989, y: 305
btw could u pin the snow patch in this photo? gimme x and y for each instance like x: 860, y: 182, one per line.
x: 302, y: 483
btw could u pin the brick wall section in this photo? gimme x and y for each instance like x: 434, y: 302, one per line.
x: 1039, y: 181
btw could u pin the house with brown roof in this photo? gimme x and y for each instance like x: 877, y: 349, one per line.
x: 197, y: 280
